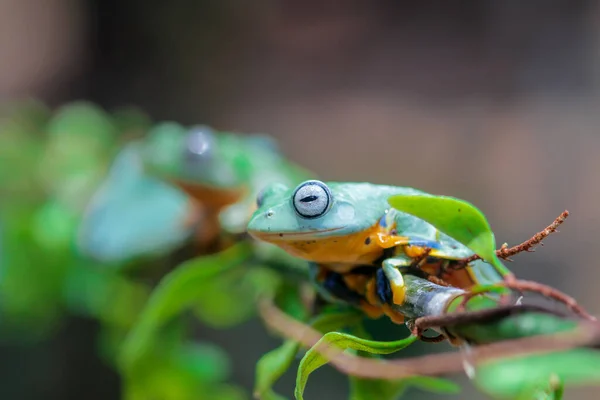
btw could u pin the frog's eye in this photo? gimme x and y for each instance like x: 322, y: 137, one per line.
x: 312, y: 199
x: 260, y: 197
x: 199, y: 144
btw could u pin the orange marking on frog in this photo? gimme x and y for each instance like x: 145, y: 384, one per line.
x: 462, y: 278
x: 373, y: 312
x: 205, y: 203
x: 395, y: 316
x: 340, y: 253
x: 357, y: 282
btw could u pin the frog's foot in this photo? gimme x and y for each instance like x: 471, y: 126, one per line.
x: 417, y: 253
x: 390, y: 283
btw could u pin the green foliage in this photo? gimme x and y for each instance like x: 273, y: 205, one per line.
x: 313, y: 359
x: 177, y: 290
x: 271, y: 366
x: 275, y: 363
x: 539, y: 376
x: 457, y: 219
x: 366, y: 389
x: 50, y: 164
x: 219, y: 303
x: 180, y: 370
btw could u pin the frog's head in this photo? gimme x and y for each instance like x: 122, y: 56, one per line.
x: 213, y: 167
x: 318, y: 221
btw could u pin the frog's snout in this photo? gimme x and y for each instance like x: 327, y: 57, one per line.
x: 260, y: 222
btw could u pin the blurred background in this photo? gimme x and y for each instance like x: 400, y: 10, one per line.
x: 494, y: 102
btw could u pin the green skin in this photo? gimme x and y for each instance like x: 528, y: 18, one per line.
x: 347, y: 213
x: 220, y: 161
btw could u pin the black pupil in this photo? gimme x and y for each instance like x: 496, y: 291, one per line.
x: 308, y: 199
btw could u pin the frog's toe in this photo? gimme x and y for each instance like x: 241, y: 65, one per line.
x: 390, y: 285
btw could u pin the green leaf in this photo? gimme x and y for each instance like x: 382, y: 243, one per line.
x: 456, y: 218
x: 131, y: 122
x: 174, y: 293
x: 366, y: 389
x: 205, y: 361
x: 542, y: 375
x: 275, y: 363
x: 219, y: 305
x: 313, y: 359
x: 271, y: 367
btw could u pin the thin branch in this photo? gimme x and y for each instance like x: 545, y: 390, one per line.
x: 536, y: 287
x: 480, y: 316
x: 506, y: 252
x: 587, y: 333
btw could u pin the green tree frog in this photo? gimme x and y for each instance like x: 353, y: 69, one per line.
x: 358, y: 245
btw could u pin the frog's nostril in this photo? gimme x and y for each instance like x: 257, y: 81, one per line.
x: 270, y: 213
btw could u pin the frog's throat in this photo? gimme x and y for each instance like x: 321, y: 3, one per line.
x: 212, y: 197
x: 350, y: 249
x: 279, y: 237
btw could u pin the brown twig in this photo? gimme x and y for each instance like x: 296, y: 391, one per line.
x: 550, y: 292
x: 586, y: 334
x: 480, y: 316
x: 506, y: 252
x: 437, y: 281
x: 536, y: 287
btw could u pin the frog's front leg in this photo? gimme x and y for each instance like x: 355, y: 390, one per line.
x: 391, y: 272
x: 334, y: 288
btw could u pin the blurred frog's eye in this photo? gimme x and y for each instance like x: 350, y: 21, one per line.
x: 272, y: 189
x: 312, y: 199
x: 199, y: 144
x: 260, y: 197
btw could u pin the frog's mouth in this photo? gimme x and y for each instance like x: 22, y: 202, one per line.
x: 290, y: 236
x: 214, y: 198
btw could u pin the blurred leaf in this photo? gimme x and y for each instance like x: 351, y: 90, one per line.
x: 21, y: 146
x: 511, y: 327
x: 131, y: 122
x: 551, y: 389
x: 30, y: 292
x: 271, y: 366
x: 519, y: 377
x: 103, y: 294
x: 366, y: 389
x: 54, y: 226
x: 275, y: 363
x: 206, y: 361
x: 85, y: 120
x: 313, y: 360
x: 219, y: 303
x: 81, y: 139
x: 176, y: 369
x: 457, y: 219
x: 177, y: 290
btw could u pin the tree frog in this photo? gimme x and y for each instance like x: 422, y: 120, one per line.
x: 181, y: 184
x: 357, y: 244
